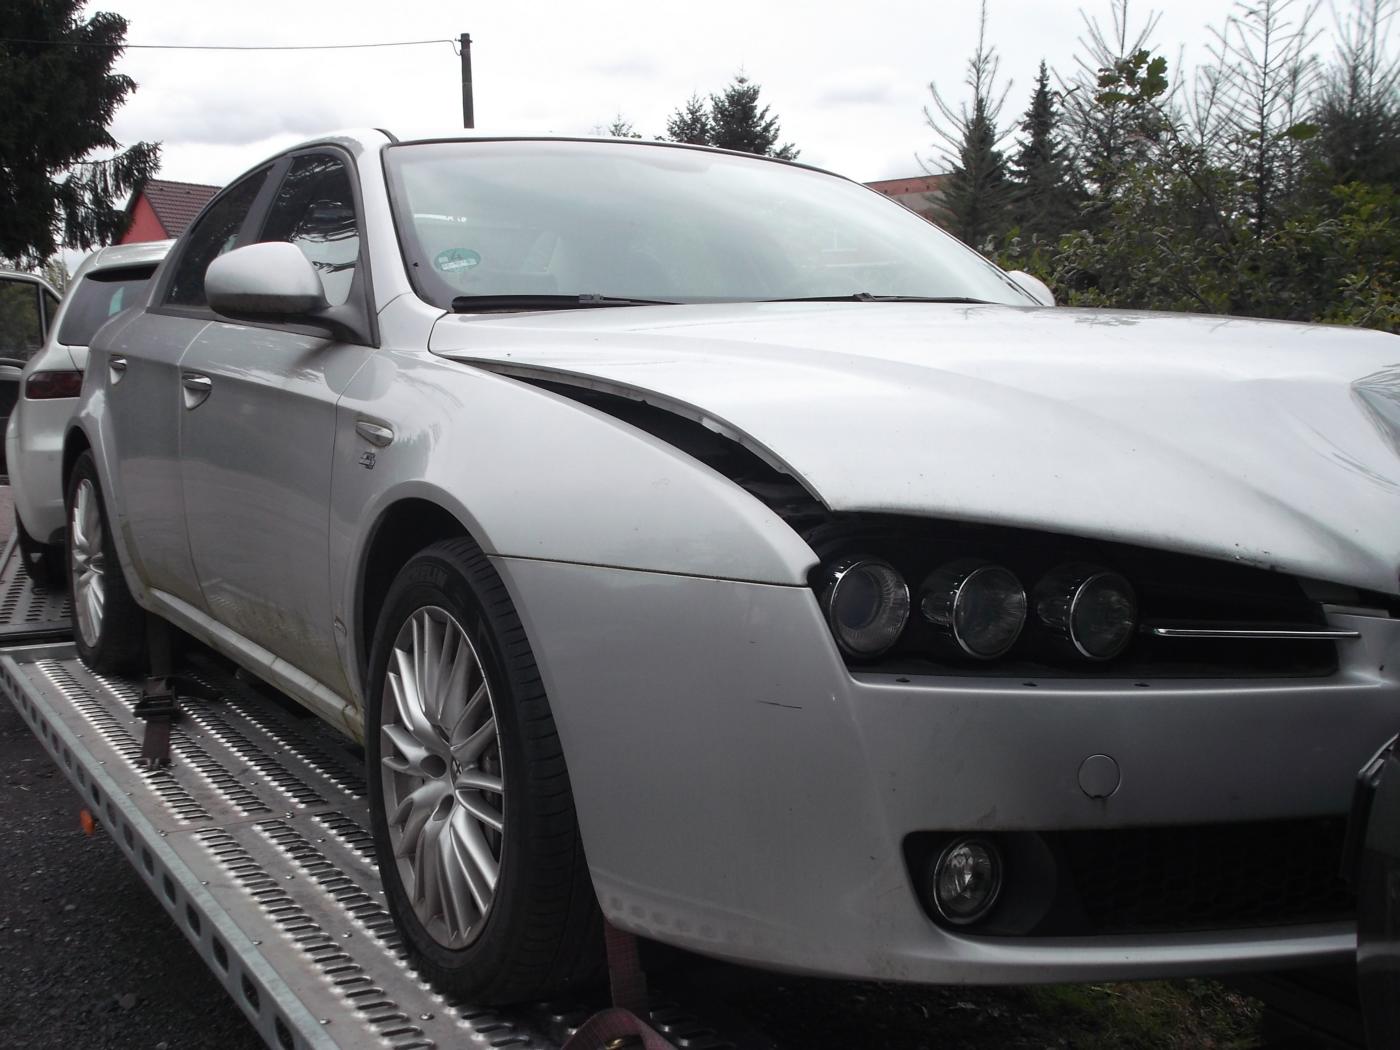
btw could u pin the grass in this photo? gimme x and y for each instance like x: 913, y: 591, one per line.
x: 1152, y: 1015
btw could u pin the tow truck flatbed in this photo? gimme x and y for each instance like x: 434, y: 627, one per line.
x: 29, y: 613
x: 256, y: 842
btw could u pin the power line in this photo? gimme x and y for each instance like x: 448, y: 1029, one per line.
x: 226, y: 47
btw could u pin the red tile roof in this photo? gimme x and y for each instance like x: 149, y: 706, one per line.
x: 175, y: 203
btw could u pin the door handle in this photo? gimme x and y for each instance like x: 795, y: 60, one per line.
x: 376, y: 434
x: 197, y: 388
x: 116, y: 366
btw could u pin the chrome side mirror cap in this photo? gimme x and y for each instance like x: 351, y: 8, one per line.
x: 1033, y: 286
x: 272, y: 281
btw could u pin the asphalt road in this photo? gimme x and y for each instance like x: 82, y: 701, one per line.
x: 88, y: 958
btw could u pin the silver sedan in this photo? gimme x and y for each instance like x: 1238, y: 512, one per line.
x: 709, y: 544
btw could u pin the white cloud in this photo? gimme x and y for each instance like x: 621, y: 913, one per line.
x: 861, y: 86
x: 848, y: 89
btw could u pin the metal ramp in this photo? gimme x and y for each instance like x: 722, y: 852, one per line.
x: 28, y: 613
x: 256, y: 842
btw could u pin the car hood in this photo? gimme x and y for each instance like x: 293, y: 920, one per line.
x: 1266, y: 443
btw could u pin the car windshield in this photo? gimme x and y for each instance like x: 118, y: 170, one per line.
x: 100, y: 296
x: 537, y: 219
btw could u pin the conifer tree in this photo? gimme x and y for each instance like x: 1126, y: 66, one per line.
x: 976, y: 198
x: 737, y: 122
x: 57, y: 97
x: 690, y: 123
x: 1107, y: 144
x: 1044, y: 203
x: 621, y: 128
x: 1358, y: 110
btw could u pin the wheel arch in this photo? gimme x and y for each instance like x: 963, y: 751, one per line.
x: 403, y: 528
x: 75, y: 443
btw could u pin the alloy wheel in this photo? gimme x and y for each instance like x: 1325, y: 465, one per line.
x: 89, y: 562
x: 444, y: 790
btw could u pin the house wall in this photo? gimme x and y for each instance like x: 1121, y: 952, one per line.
x: 914, y: 193
x: 144, y: 224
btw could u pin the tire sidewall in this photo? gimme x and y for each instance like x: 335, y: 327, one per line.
x: 433, y: 579
x: 101, y: 654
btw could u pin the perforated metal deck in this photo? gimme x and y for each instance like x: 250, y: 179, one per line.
x: 28, y: 613
x: 256, y: 842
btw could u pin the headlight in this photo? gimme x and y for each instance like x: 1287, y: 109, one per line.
x: 867, y: 605
x: 1093, y: 608
x: 983, y: 607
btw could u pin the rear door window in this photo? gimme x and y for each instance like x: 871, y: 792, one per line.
x: 99, y: 297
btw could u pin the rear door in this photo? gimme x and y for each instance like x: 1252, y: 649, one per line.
x: 257, y: 433
x: 22, y: 324
x: 141, y: 370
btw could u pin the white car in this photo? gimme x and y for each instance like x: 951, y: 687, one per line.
x: 707, y: 543
x: 27, y: 308
x: 107, y: 282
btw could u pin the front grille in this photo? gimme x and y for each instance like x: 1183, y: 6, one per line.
x: 1219, y: 876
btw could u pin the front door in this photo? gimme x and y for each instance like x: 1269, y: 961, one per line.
x: 257, y: 433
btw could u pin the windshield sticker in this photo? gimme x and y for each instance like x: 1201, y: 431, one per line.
x: 453, y: 260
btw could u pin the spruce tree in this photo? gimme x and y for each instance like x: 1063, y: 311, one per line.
x: 1107, y: 143
x: 621, y: 128
x: 57, y: 97
x: 976, y: 198
x: 1358, y: 110
x: 690, y: 123
x: 1044, y: 200
x: 737, y: 122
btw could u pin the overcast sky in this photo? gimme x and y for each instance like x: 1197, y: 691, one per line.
x: 849, y: 86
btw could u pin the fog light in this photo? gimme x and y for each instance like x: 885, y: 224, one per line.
x: 966, y: 880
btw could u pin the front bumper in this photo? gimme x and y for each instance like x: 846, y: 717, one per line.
x: 742, y: 794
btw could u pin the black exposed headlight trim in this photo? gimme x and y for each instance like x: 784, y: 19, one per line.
x: 1169, y: 588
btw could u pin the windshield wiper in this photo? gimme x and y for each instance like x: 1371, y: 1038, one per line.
x: 470, y: 304
x: 867, y: 297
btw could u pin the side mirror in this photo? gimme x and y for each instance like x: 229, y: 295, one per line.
x: 1033, y: 286
x: 273, y: 281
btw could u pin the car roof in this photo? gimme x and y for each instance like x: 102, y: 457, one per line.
x: 375, y: 138
x: 6, y: 271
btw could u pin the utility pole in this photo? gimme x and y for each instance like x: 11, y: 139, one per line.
x: 468, y: 111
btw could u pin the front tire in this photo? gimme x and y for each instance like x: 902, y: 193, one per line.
x: 472, y: 814
x: 109, y: 628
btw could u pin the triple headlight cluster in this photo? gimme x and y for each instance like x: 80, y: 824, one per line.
x: 978, y: 608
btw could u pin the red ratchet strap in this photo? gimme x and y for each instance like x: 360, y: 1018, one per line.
x: 622, y: 1026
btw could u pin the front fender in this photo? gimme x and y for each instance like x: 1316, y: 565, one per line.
x: 534, y: 475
